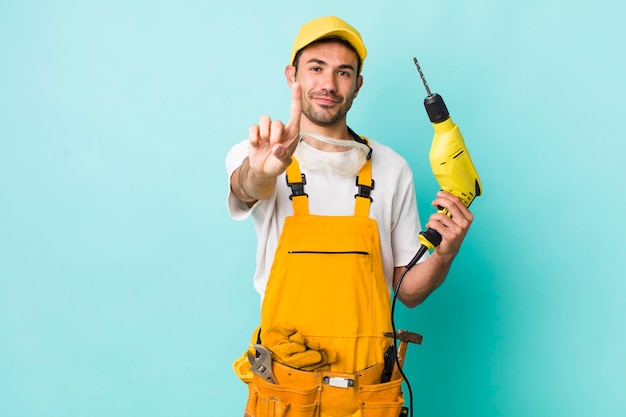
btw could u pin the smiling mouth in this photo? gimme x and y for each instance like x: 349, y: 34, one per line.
x: 326, y: 101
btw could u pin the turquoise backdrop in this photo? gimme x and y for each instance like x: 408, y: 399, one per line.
x: 125, y: 288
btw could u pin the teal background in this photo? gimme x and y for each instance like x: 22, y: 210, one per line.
x: 125, y: 288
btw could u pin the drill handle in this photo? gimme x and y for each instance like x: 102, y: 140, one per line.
x: 430, y: 238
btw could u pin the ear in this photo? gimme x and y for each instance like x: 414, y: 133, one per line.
x: 359, y: 84
x: 290, y: 74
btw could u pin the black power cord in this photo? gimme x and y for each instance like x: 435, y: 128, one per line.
x: 422, y: 250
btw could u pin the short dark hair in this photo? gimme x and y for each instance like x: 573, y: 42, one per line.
x: 329, y: 40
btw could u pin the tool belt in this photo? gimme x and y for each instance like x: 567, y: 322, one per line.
x: 323, y: 394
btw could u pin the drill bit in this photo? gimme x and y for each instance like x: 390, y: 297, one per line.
x: 422, y: 77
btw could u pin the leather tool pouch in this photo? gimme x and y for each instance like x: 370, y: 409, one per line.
x: 324, y: 394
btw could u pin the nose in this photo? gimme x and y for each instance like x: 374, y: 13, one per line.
x: 328, y: 82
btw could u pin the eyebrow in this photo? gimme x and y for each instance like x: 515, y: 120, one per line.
x: 322, y: 62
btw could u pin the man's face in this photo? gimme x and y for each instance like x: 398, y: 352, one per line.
x: 327, y: 73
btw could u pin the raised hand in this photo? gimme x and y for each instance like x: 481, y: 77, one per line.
x: 272, y: 143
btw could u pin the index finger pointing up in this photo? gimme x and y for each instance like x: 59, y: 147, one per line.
x: 296, y: 106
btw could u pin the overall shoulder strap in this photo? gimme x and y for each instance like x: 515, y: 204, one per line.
x: 364, y: 181
x: 365, y: 185
x: 296, y: 180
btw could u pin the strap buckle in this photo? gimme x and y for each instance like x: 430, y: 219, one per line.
x: 364, y: 190
x: 297, y: 188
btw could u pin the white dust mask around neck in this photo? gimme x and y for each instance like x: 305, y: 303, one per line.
x: 346, y: 162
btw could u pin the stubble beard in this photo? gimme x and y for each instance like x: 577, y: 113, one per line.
x: 322, y: 116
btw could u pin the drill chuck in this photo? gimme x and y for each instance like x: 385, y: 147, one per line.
x: 436, y: 108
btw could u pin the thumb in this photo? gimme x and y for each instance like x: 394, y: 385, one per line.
x: 296, y: 106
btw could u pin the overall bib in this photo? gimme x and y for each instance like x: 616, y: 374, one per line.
x: 327, y: 283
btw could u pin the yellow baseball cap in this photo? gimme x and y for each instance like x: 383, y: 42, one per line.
x: 328, y: 27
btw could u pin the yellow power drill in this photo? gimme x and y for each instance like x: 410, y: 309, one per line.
x: 453, y: 168
x: 450, y: 161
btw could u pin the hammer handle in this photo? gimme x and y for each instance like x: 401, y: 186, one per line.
x: 401, y: 355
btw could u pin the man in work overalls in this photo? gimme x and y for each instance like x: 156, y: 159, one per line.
x: 336, y: 218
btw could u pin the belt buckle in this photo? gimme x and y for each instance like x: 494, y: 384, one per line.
x: 334, y: 381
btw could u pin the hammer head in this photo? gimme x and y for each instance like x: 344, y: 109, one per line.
x: 406, y: 336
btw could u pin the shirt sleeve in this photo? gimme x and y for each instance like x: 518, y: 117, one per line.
x: 407, y: 224
x: 237, y: 209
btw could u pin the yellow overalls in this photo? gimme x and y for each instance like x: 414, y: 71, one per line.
x: 327, y: 282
